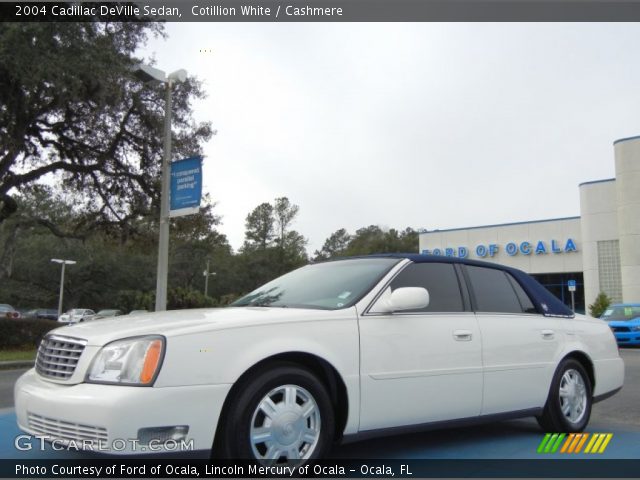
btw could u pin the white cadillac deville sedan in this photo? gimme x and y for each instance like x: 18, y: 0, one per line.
x: 329, y: 351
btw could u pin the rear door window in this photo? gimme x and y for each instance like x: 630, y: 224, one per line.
x: 494, y: 291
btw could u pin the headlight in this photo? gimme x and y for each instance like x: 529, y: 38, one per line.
x: 636, y: 328
x: 131, y: 361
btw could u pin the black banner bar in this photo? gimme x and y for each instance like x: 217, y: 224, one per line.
x: 326, y: 11
x: 450, y: 468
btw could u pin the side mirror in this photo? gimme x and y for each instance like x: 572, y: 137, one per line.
x: 405, y: 298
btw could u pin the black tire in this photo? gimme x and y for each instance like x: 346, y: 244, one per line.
x: 553, y: 419
x: 243, y: 413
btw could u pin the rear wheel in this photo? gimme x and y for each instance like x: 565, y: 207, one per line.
x: 280, y: 415
x: 568, y: 406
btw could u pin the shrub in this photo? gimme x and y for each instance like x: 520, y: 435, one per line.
x: 180, y: 298
x: 600, y: 304
x: 23, y: 333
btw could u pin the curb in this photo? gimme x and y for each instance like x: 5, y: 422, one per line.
x: 16, y: 364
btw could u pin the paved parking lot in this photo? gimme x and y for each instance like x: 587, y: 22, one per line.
x: 516, y: 439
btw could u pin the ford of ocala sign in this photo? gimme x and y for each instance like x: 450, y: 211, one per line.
x: 511, y: 248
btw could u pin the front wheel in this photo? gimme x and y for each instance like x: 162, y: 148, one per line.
x: 568, y: 406
x: 282, y: 415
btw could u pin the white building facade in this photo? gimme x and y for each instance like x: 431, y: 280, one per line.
x: 598, y: 250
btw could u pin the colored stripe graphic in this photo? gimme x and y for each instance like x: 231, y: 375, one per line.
x: 577, y: 442
x: 591, y: 442
x: 551, y: 442
x: 574, y: 442
x: 543, y: 443
x: 568, y: 442
x: 606, y: 442
x: 583, y: 439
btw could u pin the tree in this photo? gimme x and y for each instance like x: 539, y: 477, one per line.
x: 368, y: 240
x: 601, y: 303
x: 270, y: 248
x: 284, y: 213
x: 334, y: 246
x: 71, y: 109
x: 259, y: 227
x: 111, y: 271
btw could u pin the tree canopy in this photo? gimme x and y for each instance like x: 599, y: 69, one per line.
x: 73, y: 113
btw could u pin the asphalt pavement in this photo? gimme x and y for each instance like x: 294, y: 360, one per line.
x: 7, y: 380
x: 516, y: 439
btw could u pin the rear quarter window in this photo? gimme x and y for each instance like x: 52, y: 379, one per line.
x: 496, y: 291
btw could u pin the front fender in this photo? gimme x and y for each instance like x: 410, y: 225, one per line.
x: 222, y: 356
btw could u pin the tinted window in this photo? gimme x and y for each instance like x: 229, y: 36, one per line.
x: 439, y: 279
x: 493, y: 291
x: 525, y: 301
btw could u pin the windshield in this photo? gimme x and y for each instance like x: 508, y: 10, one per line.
x: 6, y: 308
x: 621, y: 313
x: 324, y: 286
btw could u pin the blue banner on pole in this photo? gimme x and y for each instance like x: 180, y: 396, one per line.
x: 186, y: 186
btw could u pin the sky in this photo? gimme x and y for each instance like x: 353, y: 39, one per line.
x: 422, y: 125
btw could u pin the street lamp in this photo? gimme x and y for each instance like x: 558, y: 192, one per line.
x: 150, y: 74
x: 207, y: 274
x: 63, y: 262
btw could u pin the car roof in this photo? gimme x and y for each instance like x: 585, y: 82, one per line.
x: 545, y: 302
x: 423, y: 258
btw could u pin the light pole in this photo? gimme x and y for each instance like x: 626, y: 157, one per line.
x: 207, y: 274
x: 151, y: 74
x: 63, y: 262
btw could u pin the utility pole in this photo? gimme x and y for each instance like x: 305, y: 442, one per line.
x: 64, y: 263
x: 207, y: 274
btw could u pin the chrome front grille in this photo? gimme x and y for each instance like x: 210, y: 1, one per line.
x: 58, y: 356
x: 66, y: 431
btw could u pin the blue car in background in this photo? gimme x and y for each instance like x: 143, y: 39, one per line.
x: 624, y: 320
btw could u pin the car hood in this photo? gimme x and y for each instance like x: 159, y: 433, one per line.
x: 184, y: 322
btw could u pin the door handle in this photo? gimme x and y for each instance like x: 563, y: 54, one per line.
x: 462, y: 335
x: 548, y: 334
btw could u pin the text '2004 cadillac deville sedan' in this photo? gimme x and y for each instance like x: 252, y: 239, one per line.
x: 327, y: 351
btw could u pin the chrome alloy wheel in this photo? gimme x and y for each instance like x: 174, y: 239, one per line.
x: 573, y: 396
x: 285, y: 425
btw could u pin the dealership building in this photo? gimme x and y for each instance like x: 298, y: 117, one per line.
x: 598, y: 250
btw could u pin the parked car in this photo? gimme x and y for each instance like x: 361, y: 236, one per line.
x: 47, y: 313
x: 138, y: 312
x: 106, y: 313
x: 8, y: 311
x: 328, y: 351
x: 624, y: 321
x: 76, y: 315
x: 43, y: 313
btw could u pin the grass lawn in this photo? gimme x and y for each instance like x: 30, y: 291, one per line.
x: 13, y: 355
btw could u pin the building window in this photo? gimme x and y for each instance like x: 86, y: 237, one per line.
x: 609, y: 269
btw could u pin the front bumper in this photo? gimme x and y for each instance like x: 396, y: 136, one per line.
x: 107, y: 418
x: 627, y: 338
